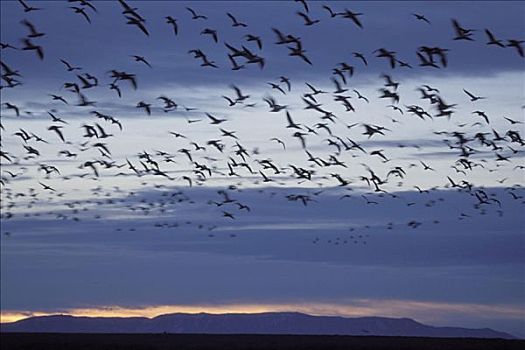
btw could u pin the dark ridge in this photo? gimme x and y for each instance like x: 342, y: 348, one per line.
x: 237, y: 323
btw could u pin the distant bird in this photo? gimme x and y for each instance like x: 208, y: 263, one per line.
x: 86, y: 3
x: 12, y: 107
x: 307, y: 20
x: 395, y: 108
x: 7, y: 46
x: 177, y: 135
x: 81, y: 11
x: 299, y: 52
x: 30, y: 46
x: 28, y: 8
x: 56, y: 119
x: 33, y: 33
x: 361, y: 57
x: 146, y: 106
x: 228, y: 215
x: 380, y: 154
x: 361, y: 96
x: 278, y: 141
x: 169, y: 104
x: 421, y: 17
x: 330, y: 11
x: 473, y: 98
x: 513, y: 121
x: 130, y: 12
x: 369, y: 201
x: 291, y: 123
x: 235, y: 65
x: 115, y: 87
x: 257, y: 39
x: 240, y: 97
x: 493, y: 40
x: 56, y: 129
x: 483, y: 115
x: 314, y: 90
x: 70, y: 68
x: 274, y: 107
x: 227, y: 133
x: 58, y: 98
x: 389, y: 82
x: 195, y: 15
x: 461, y: 33
x: 212, y: 32
x: 370, y: 130
x: 389, y: 94
x: 173, y: 22
x: 426, y: 61
x: 425, y: 166
x: 46, y: 187
x: 138, y: 23
x: 141, y: 59
x: 215, y: 120
x: 305, y: 5
x: 230, y: 101
x: 339, y: 88
x: 277, y: 87
x: 352, y: 16
x: 235, y: 23
x: 390, y: 55
x: 286, y: 81
x: 301, y: 138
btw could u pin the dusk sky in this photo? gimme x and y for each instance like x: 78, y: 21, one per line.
x: 423, y: 218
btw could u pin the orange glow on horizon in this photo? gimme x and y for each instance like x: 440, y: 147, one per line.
x: 419, y: 310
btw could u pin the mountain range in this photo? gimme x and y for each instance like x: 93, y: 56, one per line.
x: 238, y: 323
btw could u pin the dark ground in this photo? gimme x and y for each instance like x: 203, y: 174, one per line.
x: 64, y: 341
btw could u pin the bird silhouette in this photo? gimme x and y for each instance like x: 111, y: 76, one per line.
x: 141, y: 59
x: 307, y: 20
x: 354, y: 16
x: 28, y: 45
x: 195, y: 15
x: 173, y: 22
x: 493, y: 40
x: 421, y: 18
x: 235, y: 23
x: 473, y: 98
x: 81, y: 11
x: 28, y: 8
x: 462, y: 33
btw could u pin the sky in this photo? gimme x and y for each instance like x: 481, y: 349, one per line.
x: 440, y: 240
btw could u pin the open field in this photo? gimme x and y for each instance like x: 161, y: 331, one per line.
x: 33, y: 341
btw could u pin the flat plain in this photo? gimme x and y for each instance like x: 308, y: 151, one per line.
x: 69, y: 341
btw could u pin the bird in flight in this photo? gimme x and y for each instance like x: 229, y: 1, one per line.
x: 173, y: 22
x: 141, y: 59
x: 235, y: 23
x: 473, y: 98
x: 28, y: 8
x: 462, y: 33
x: 421, y: 17
x: 195, y: 15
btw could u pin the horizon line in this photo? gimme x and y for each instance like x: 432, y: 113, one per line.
x: 420, y: 311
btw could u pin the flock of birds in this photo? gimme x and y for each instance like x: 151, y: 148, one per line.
x: 478, y: 146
